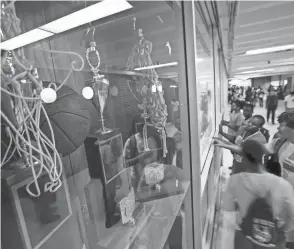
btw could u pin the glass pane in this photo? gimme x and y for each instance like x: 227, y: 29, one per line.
x: 115, y: 107
x: 205, y: 86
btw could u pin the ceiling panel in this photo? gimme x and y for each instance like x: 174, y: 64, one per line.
x: 263, y: 24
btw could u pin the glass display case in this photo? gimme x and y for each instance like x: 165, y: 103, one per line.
x: 102, y: 141
x: 205, y: 85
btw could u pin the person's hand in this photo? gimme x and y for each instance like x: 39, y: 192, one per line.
x: 220, y: 129
x: 224, y: 122
x: 218, y: 143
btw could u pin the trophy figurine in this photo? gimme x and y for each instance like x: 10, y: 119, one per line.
x: 127, y: 208
x: 100, y: 84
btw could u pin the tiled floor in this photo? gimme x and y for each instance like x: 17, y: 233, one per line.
x: 225, y: 172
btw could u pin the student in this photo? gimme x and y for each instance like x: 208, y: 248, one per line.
x: 289, y: 102
x: 256, y: 195
x: 283, y: 147
x: 260, y: 97
x: 251, y: 131
x: 236, y: 118
x: 285, y: 150
x: 271, y: 105
x: 247, y: 112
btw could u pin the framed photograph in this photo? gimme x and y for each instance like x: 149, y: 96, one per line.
x: 112, y: 159
x: 152, y: 134
x: 139, y: 126
x: 40, y: 217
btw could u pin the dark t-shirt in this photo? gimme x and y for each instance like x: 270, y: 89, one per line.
x: 243, y: 188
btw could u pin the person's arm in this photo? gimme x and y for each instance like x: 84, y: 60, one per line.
x: 220, y: 140
x: 233, y: 127
x: 232, y: 147
x: 127, y: 153
x: 133, y: 161
x: 231, y: 138
x: 270, y: 147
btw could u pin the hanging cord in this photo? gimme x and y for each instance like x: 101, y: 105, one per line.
x: 29, y: 110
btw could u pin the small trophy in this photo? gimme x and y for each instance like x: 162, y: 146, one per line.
x: 127, y: 208
x: 100, y: 84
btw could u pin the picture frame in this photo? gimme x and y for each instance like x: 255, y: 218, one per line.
x: 28, y: 219
x: 111, y: 154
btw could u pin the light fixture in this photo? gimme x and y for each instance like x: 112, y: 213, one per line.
x: 242, y: 68
x: 170, y: 64
x: 86, y: 15
x: 94, y: 12
x: 48, y: 95
x: 203, y: 77
x: 88, y: 92
x: 270, y: 50
x: 173, y: 86
x: 157, y: 66
x: 288, y: 63
x: 258, y: 71
x: 25, y: 39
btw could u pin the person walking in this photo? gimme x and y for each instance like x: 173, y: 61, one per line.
x: 289, y: 102
x: 260, y: 97
x: 272, y: 105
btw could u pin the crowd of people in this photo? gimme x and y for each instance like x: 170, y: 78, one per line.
x: 258, y: 203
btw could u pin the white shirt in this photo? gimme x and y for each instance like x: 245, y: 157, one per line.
x: 286, y: 151
x: 289, y: 100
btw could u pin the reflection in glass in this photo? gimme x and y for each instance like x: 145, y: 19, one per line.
x: 205, y: 88
x: 42, y: 216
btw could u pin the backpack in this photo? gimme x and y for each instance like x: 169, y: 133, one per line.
x: 259, y: 225
x: 272, y: 162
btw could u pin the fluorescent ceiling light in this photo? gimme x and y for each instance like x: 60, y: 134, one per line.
x: 290, y: 63
x: 97, y: 11
x: 170, y: 64
x: 86, y: 15
x: 157, y: 66
x: 257, y: 71
x: 204, y: 76
x: 242, y: 68
x: 25, y: 39
x: 270, y: 50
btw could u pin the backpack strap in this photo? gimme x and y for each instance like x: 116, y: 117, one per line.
x: 279, y: 144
